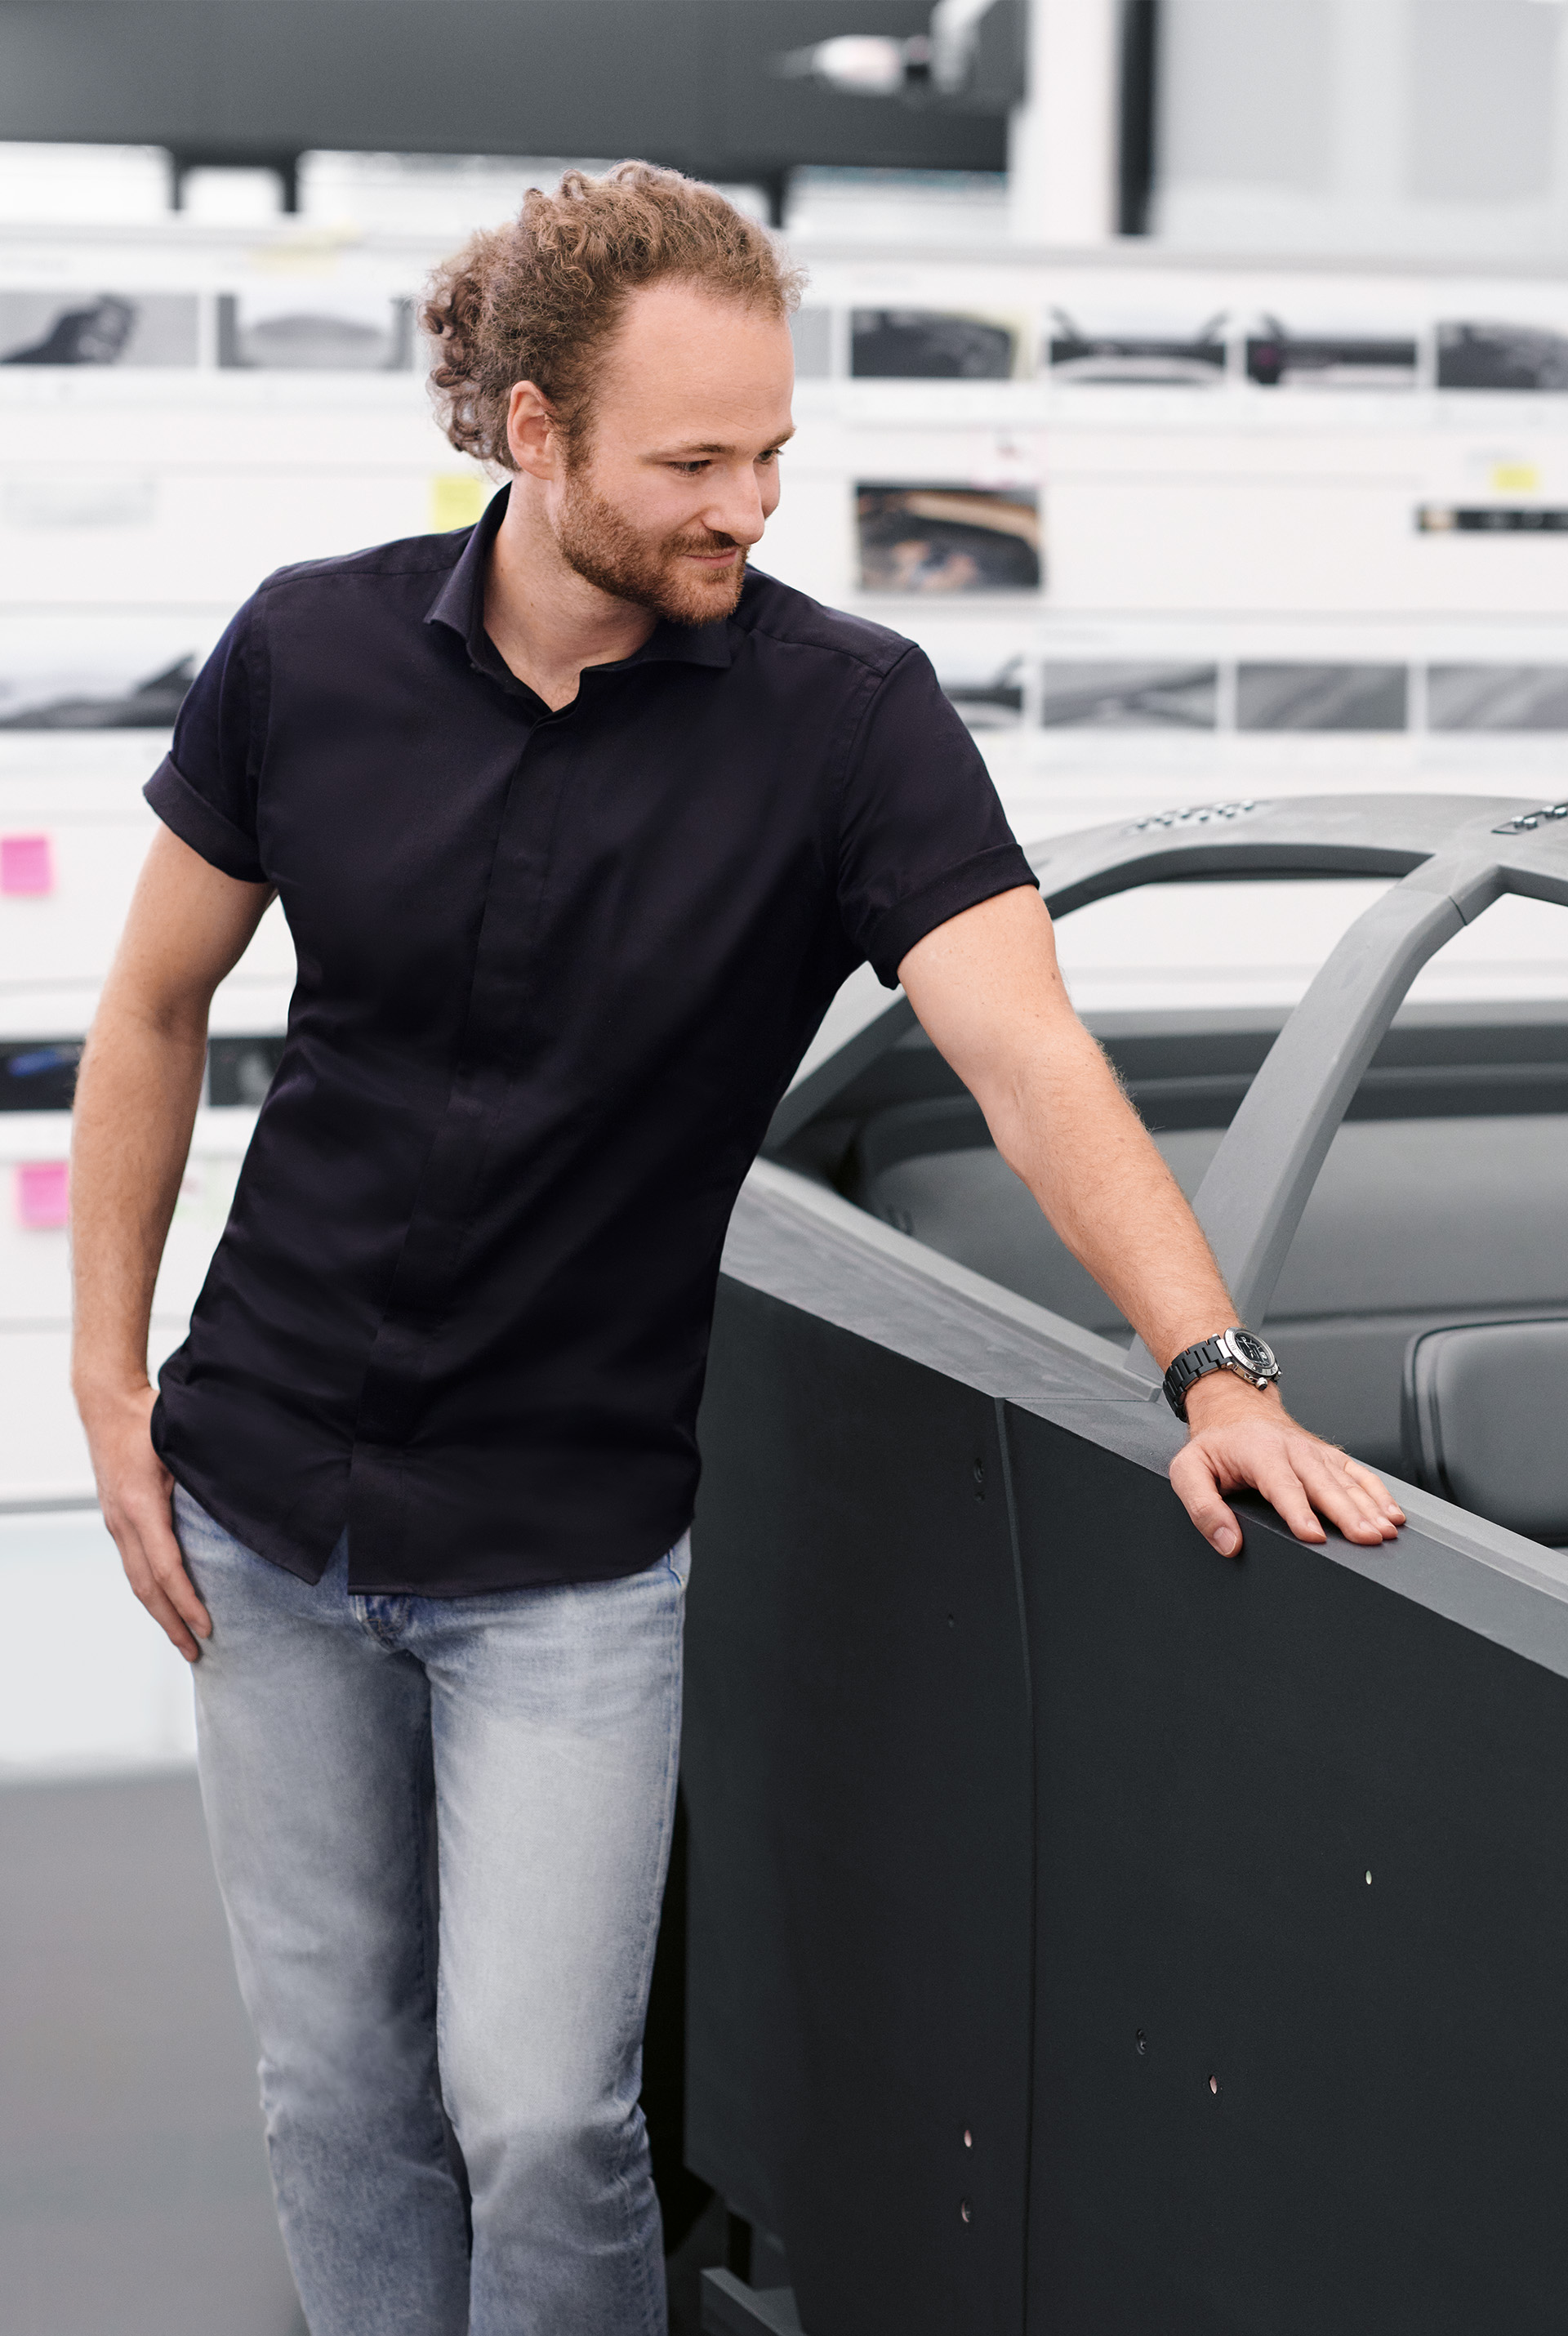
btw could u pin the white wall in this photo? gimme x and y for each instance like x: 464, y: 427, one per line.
x: 88, y: 1684
x: 1062, y: 141
x: 1436, y: 128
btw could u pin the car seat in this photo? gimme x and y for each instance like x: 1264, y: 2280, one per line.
x: 1484, y: 1416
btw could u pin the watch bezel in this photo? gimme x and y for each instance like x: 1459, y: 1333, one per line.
x: 1218, y: 1353
x: 1268, y: 1368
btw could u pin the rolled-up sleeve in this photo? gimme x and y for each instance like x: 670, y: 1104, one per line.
x: 205, y: 788
x: 922, y: 833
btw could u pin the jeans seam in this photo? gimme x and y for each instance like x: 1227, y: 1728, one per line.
x: 670, y: 1780
x: 440, y: 2156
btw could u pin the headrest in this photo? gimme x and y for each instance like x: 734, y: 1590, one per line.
x: 1484, y: 1421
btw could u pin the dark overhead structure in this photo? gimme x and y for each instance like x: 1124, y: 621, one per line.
x: 1085, y: 1934
x: 693, y: 83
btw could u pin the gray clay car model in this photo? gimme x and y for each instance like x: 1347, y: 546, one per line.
x: 1083, y: 1933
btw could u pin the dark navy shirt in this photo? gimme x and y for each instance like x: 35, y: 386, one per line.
x: 555, y: 972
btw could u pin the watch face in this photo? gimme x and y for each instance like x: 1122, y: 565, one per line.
x: 1253, y: 1351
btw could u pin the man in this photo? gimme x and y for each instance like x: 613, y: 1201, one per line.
x: 578, y: 828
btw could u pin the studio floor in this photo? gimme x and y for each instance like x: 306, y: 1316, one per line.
x: 134, y: 2189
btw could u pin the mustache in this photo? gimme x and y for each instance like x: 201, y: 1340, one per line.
x: 706, y: 543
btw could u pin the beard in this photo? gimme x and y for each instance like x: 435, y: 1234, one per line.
x: 601, y: 545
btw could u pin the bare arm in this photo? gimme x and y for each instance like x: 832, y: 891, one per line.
x: 989, y: 994
x: 136, y: 1101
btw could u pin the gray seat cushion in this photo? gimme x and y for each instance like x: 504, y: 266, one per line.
x: 1484, y: 1405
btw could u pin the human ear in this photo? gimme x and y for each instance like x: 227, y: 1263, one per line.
x: 530, y: 430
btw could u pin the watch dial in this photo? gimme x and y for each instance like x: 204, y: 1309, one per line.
x: 1253, y: 1351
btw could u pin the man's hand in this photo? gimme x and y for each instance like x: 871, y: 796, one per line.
x: 1242, y: 1435
x: 133, y: 1492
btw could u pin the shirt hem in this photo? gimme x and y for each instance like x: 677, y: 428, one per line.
x: 244, y: 1530
x: 261, y: 1543
x: 577, y: 1579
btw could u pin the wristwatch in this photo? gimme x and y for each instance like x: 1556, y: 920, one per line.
x: 1238, y: 1350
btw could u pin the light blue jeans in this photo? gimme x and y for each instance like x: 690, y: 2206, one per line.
x: 511, y: 1760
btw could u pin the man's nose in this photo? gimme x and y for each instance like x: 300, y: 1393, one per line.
x: 738, y: 510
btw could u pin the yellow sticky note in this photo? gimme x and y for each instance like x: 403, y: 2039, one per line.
x: 304, y: 251
x: 457, y: 499
x: 1515, y: 479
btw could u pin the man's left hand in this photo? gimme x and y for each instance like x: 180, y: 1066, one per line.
x: 1241, y: 1435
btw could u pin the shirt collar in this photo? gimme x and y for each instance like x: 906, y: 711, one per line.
x: 459, y: 605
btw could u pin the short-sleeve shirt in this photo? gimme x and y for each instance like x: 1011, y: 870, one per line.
x: 555, y: 972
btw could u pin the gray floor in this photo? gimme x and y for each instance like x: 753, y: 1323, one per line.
x: 133, y: 2191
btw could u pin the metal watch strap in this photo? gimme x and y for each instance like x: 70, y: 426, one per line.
x: 1193, y: 1363
x: 1227, y: 1350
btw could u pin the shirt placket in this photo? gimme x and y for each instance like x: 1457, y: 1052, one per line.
x: 495, y: 1039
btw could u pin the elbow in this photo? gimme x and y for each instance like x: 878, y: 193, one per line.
x: 1014, y: 1133
x: 173, y: 1022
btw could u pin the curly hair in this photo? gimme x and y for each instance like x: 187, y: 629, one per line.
x: 537, y: 299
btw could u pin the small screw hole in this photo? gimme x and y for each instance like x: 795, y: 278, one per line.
x: 969, y: 2139
x: 966, y: 2212
x: 1214, y: 2084
x: 1369, y: 1877
x: 1141, y: 2040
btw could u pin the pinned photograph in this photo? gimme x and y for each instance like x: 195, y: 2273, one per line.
x: 103, y: 328
x: 38, y: 1074
x: 298, y: 331
x: 1502, y: 698
x: 1137, y: 360
x: 1278, y: 358
x: 1520, y: 357
x: 1491, y: 519
x: 940, y: 538
x: 93, y: 674
x: 1322, y: 698
x: 1130, y: 696
x: 988, y: 690
x: 934, y: 345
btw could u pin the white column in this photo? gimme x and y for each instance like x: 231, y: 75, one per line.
x: 1370, y: 98
x: 1062, y: 141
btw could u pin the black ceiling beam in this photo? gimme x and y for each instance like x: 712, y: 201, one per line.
x: 688, y: 82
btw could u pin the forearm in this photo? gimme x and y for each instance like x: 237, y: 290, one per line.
x: 989, y: 994
x: 1063, y: 1127
x: 136, y: 1103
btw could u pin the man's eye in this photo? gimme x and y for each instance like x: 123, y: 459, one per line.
x: 688, y: 470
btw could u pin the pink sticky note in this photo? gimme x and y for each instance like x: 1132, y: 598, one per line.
x: 43, y: 1194
x: 27, y: 864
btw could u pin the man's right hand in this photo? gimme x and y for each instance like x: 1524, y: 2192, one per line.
x: 137, y: 1096
x: 134, y: 1491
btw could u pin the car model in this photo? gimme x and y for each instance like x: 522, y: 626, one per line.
x: 1084, y: 1932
